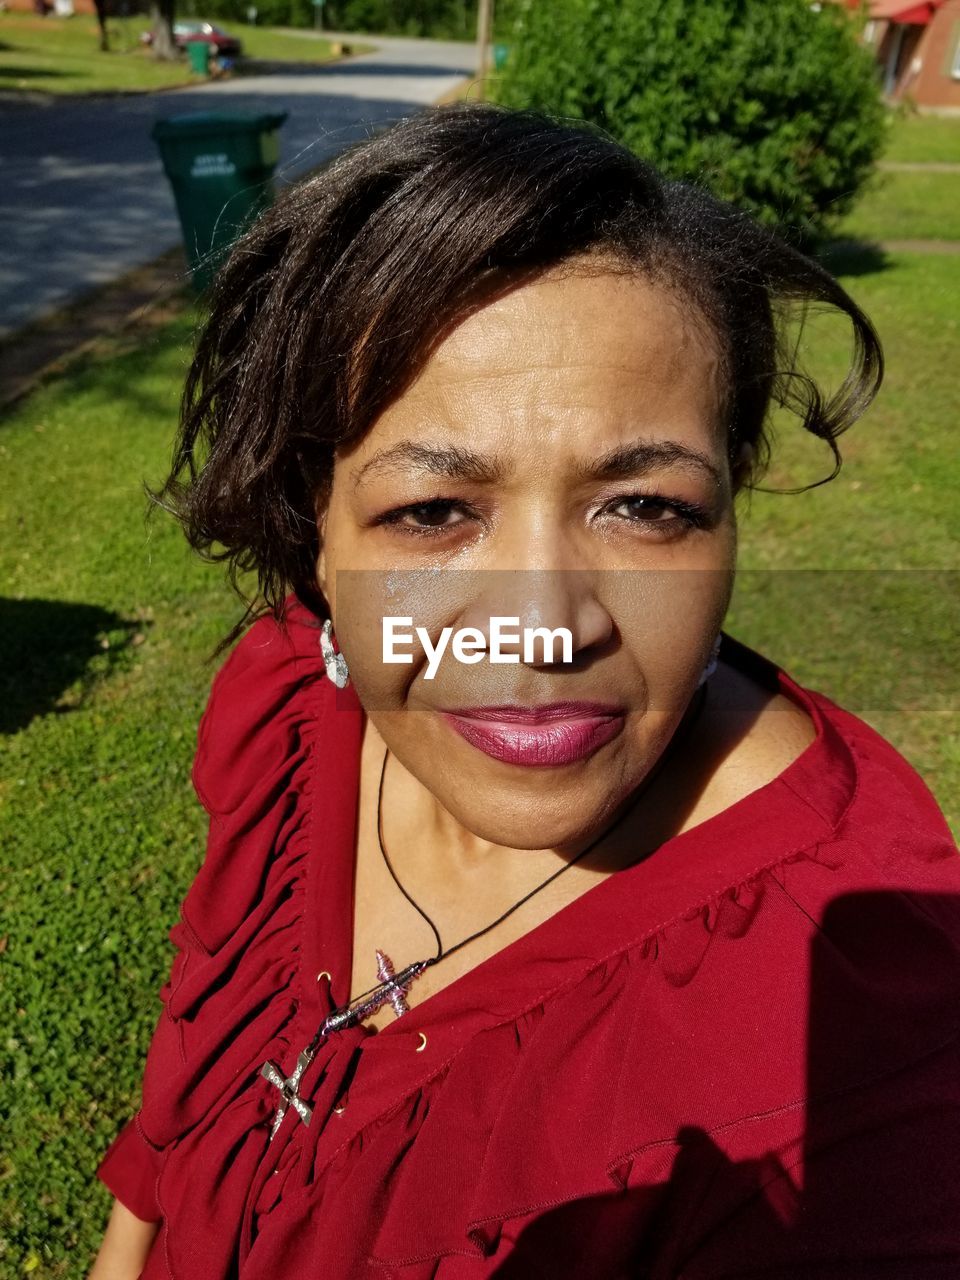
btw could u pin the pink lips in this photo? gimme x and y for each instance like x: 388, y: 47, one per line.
x: 556, y: 733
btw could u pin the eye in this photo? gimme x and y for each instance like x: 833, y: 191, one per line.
x: 668, y: 515
x: 425, y: 518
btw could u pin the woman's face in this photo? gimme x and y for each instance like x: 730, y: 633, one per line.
x: 561, y: 461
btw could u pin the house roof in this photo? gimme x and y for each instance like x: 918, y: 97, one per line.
x: 904, y: 11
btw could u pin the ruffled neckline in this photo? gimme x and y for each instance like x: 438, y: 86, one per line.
x: 272, y: 697
x: 806, y: 801
x: 277, y: 768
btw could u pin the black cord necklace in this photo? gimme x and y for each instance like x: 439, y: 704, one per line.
x: 393, y: 987
x: 675, y: 742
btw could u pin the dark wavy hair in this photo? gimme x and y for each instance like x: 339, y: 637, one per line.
x: 329, y: 305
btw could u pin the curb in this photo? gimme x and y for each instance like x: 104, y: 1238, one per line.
x: 136, y: 302
x: 139, y: 300
x: 39, y: 98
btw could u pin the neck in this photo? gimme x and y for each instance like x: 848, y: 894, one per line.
x: 433, y: 852
x: 419, y: 828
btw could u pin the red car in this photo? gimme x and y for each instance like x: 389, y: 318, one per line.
x: 222, y: 43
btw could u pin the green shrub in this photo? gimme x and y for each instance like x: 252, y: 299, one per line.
x: 772, y: 104
x: 442, y: 19
x: 270, y: 13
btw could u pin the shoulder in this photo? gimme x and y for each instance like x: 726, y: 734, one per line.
x: 826, y: 754
x: 261, y: 741
x: 278, y: 647
x: 761, y: 729
x: 269, y: 683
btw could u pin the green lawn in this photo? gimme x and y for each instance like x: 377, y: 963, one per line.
x: 280, y: 45
x: 900, y: 206
x: 106, y: 621
x: 55, y: 55
x: 924, y: 139
x: 921, y: 205
x: 854, y: 584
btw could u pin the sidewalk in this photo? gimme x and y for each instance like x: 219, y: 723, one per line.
x: 150, y: 292
x: 83, y: 198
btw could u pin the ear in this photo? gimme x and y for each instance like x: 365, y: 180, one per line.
x: 320, y: 511
x: 742, y: 462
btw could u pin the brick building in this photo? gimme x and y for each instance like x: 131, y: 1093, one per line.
x: 918, y: 49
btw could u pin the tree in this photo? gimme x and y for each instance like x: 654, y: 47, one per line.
x: 439, y: 18
x: 772, y: 104
x: 161, y: 23
x: 101, y: 8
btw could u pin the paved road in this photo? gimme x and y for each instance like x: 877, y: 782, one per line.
x: 82, y: 194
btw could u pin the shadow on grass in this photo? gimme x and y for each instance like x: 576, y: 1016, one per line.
x: 9, y: 76
x: 47, y: 646
x: 117, y: 369
x: 251, y: 65
x: 845, y: 257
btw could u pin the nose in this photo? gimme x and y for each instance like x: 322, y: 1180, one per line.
x: 542, y: 601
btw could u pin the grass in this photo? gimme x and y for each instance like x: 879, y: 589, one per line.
x: 106, y: 621
x: 854, y: 584
x: 873, y: 555
x: 899, y: 206
x: 912, y: 205
x: 924, y: 139
x: 266, y: 44
x: 62, y: 56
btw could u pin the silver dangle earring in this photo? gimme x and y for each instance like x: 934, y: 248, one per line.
x: 711, y: 666
x: 335, y: 663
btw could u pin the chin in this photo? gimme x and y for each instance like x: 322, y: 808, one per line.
x: 546, y: 812
x: 531, y: 829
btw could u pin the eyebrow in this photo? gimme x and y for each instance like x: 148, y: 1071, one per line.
x: 647, y: 455
x: 456, y: 463
x: 450, y: 461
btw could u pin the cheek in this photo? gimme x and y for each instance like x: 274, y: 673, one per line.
x: 360, y: 606
x: 368, y: 597
x: 338, y: 545
x: 667, y: 620
x: 664, y: 621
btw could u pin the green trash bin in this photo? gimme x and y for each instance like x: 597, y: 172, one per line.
x: 198, y: 55
x: 220, y: 166
x: 500, y: 54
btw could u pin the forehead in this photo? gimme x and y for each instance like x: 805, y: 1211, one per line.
x: 576, y: 357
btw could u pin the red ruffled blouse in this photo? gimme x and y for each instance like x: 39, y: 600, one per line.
x: 739, y: 1057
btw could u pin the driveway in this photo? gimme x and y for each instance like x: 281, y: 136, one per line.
x: 83, y: 197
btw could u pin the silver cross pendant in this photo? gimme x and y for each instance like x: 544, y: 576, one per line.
x: 393, y: 988
x: 288, y: 1090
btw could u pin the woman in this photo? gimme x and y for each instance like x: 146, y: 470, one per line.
x: 634, y: 959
